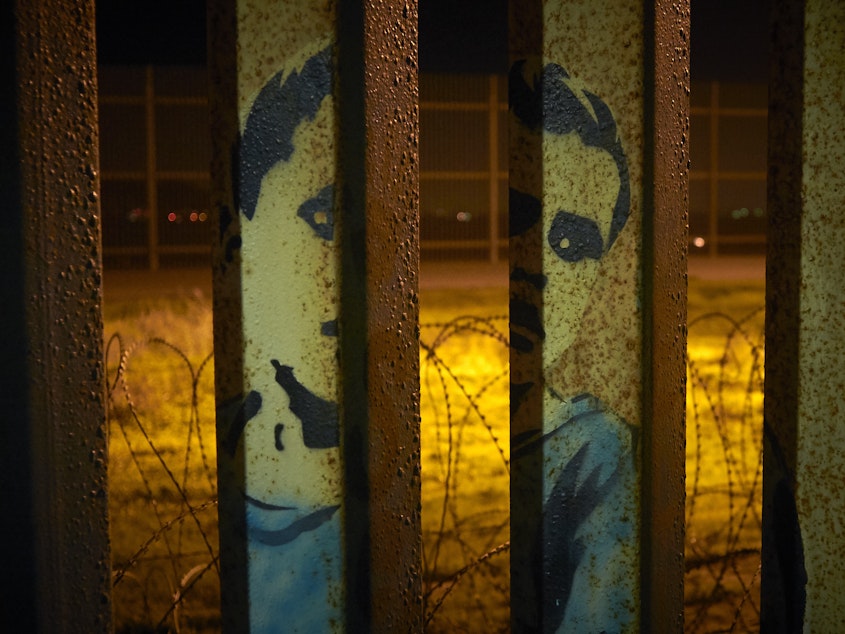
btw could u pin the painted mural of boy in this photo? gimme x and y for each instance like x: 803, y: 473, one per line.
x: 575, y: 471
x: 286, y: 434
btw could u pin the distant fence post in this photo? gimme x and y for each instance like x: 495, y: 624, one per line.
x: 54, y: 543
x: 315, y: 142
x: 804, y: 450
x: 598, y: 178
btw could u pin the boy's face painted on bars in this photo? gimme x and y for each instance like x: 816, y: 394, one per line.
x: 580, y: 188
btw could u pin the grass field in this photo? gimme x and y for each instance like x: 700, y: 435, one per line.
x: 724, y: 456
x: 163, y: 517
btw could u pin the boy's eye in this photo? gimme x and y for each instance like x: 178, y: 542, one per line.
x: 317, y: 212
x: 574, y: 237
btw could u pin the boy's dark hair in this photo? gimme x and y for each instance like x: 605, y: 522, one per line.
x: 551, y: 105
x: 276, y: 113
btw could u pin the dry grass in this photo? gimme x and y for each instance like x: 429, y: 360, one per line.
x: 465, y: 459
x: 162, y: 465
x: 163, y: 516
x: 724, y: 457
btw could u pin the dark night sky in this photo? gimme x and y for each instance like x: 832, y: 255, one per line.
x: 151, y: 32
x: 729, y: 40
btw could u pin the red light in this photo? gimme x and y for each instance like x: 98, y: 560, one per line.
x: 171, y: 217
x: 193, y: 216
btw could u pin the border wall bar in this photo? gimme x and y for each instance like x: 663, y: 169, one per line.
x: 315, y: 120
x: 54, y: 556
x: 666, y: 184
x: 804, y: 436
x: 598, y: 313
x: 379, y: 97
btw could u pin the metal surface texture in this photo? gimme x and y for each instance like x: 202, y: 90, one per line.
x: 575, y: 88
x: 379, y: 321
x: 821, y: 438
x: 805, y: 347
x: 278, y: 435
x: 60, y: 440
x: 598, y: 177
x: 315, y: 314
x: 783, y: 578
x: 666, y: 201
x: 229, y: 378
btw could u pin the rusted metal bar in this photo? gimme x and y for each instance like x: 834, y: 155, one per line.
x: 276, y: 321
x: 665, y: 244
x: 229, y: 384
x: 783, y: 578
x: 55, y: 565
x: 315, y: 314
x: 804, y: 437
x: 379, y: 315
x: 598, y: 177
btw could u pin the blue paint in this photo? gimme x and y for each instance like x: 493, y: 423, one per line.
x: 294, y: 586
x: 588, y: 518
x: 292, y: 531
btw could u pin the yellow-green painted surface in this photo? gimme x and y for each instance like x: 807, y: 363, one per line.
x: 289, y: 447
x: 821, y: 395
x: 576, y: 85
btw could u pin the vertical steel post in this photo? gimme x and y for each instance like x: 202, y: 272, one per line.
x: 54, y: 550
x: 804, y: 437
x: 379, y: 115
x: 598, y: 96
x: 664, y: 266
x: 276, y: 287
x: 315, y: 132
